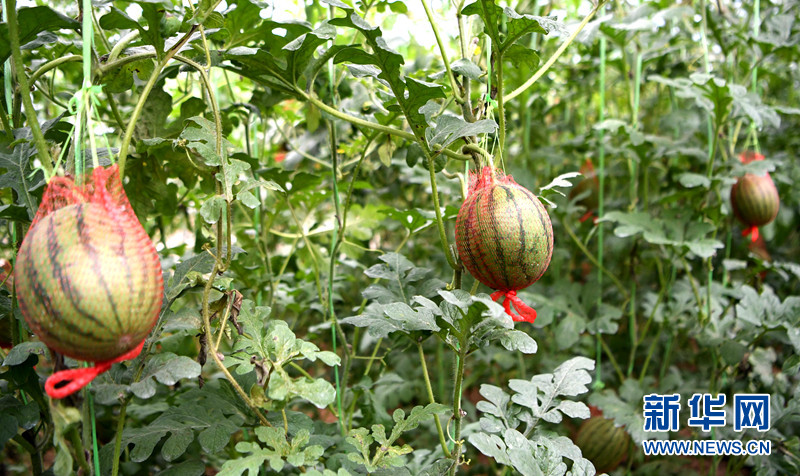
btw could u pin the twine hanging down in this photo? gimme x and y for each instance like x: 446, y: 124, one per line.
x: 66, y: 382
x: 524, y: 312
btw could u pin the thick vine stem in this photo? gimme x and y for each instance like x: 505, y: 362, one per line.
x: 104, y: 69
x: 439, y: 220
x: 16, y: 54
x: 543, y: 69
x: 121, y: 44
x: 214, y: 353
x: 457, y: 416
x: 53, y: 64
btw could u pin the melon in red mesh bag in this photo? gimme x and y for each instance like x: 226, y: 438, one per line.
x: 88, y: 278
x: 504, y: 238
x: 754, y: 198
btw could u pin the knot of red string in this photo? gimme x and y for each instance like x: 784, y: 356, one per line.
x: 72, y: 380
x: 752, y: 231
x: 524, y: 312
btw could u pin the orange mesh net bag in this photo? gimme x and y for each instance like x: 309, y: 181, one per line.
x: 88, y: 278
x: 504, y: 238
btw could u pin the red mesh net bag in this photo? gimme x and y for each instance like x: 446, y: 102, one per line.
x: 87, y: 276
x: 754, y: 198
x: 504, y: 238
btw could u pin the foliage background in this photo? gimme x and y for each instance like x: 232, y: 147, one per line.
x: 286, y: 179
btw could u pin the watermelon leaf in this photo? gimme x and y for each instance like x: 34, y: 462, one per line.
x: 167, y: 368
x: 275, y: 451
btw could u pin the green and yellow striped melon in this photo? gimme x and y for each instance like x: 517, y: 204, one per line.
x: 755, y: 199
x: 503, y: 233
x: 89, y: 280
x: 603, y: 443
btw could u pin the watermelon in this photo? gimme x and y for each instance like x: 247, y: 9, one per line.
x: 88, y: 278
x: 603, y: 443
x: 587, y: 191
x: 503, y: 234
x: 754, y: 198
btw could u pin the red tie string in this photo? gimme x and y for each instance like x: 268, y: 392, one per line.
x: 524, y: 312
x: 752, y: 231
x: 75, y: 379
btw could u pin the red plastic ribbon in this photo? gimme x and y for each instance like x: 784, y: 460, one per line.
x: 752, y: 231
x: 75, y: 379
x: 586, y: 216
x: 524, y: 313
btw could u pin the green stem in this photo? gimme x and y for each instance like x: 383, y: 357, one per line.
x: 439, y: 220
x: 632, y: 328
x: 611, y: 358
x: 337, y: 232
x: 450, y: 76
x: 54, y: 64
x: 16, y: 54
x: 137, y: 111
x: 429, y: 388
x: 214, y: 353
x: 595, y: 261
x: 501, y: 112
x: 121, y: 44
x: 371, y: 125
x: 118, y: 438
x: 7, y: 129
x: 457, y: 415
x: 113, y: 65
x: 543, y: 69
x: 601, y: 168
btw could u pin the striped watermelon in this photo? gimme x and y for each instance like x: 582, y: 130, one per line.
x: 602, y: 443
x: 754, y: 198
x: 503, y: 233
x: 588, y: 189
x: 88, y: 278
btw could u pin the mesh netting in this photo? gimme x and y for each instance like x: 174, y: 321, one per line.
x: 767, y: 191
x: 504, y: 237
x: 88, y: 278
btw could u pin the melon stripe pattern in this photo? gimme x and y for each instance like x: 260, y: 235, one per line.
x: 88, y: 277
x: 602, y: 443
x: 504, y: 236
x: 755, y: 200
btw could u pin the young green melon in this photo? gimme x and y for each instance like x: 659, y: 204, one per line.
x: 588, y: 189
x: 89, y: 284
x: 755, y: 199
x: 503, y: 234
x: 602, y: 443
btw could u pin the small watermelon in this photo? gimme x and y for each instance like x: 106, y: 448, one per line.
x: 587, y: 189
x: 503, y: 235
x: 602, y: 443
x: 754, y: 198
x: 88, y: 278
